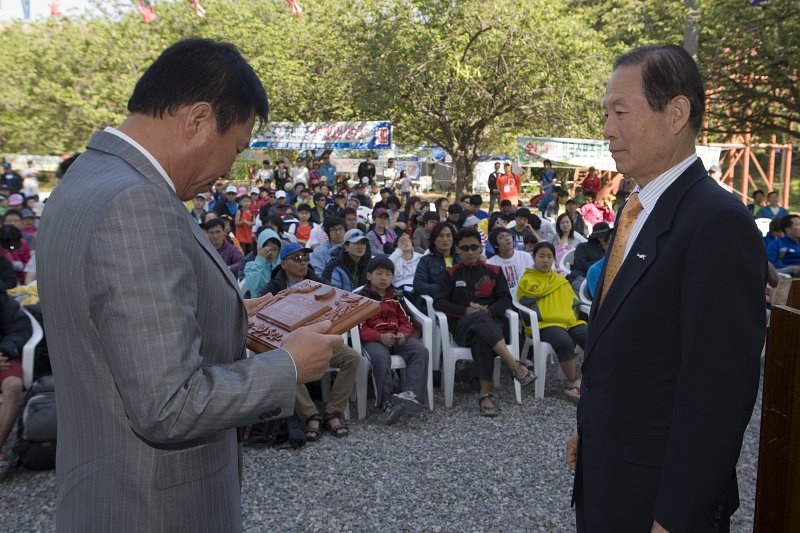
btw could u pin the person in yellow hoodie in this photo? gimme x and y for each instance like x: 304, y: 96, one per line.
x: 550, y: 295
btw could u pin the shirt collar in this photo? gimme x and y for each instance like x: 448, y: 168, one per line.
x: 148, y: 155
x: 649, y: 195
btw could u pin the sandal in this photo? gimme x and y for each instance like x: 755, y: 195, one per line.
x: 487, y: 410
x: 527, y: 378
x: 338, y: 430
x: 312, y: 434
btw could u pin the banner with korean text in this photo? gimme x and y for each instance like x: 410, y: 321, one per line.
x: 324, y: 136
x: 584, y: 153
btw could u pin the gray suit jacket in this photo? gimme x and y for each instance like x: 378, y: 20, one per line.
x: 146, y: 330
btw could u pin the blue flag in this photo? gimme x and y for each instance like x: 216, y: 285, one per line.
x: 26, y: 9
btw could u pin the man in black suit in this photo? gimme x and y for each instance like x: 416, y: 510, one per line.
x: 671, y: 366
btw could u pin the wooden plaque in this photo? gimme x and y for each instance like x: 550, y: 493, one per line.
x: 306, y: 303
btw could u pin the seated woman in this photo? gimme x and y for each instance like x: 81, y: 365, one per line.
x: 566, y: 239
x: 588, y: 253
x: 348, y: 270
x: 475, y: 297
x: 405, y: 261
x: 432, y: 265
x: 553, y: 300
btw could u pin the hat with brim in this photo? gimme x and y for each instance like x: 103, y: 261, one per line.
x: 354, y: 235
x: 291, y: 249
x: 600, y: 230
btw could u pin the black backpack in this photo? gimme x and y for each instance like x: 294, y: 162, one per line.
x: 36, y: 426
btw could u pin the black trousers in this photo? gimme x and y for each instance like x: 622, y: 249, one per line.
x: 480, y: 332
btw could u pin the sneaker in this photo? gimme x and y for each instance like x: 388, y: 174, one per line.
x: 408, y: 400
x: 392, y: 413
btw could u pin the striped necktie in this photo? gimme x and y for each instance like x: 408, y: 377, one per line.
x: 623, y: 232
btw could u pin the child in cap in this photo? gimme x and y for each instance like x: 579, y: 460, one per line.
x: 389, y: 333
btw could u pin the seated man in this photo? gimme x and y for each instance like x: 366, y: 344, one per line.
x: 15, y: 330
x: 475, y: 297
x: 588, y: 253
x: 772, y: 210
x: 422, y: 234
x: 389, y: 333
x: 510, y: 261
x: 292, y: 270
x: 784, y: 253
x: 215, y: 229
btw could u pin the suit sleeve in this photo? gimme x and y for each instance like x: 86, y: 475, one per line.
x: 143, y: 297
x: 722, y: 328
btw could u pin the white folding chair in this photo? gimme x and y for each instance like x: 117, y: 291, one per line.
x: 452, y: 353
x: 360, y: 390
x: 583, y: 295
x: 565, y: 264
x: 541, y: 349
x: 28, y: 352
x: 436, y: 354
x: 763, y: 225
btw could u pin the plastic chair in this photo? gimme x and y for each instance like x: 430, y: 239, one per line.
x: 565, y: 264
x: 763, y: 225
x: 436, y: 355
x: 452, y: 353
x: 541, y: 349
x: 583, y: 296
x: 28, y: 352
x: 360, y: 390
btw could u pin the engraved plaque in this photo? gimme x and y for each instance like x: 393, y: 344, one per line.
x: 306, y: 303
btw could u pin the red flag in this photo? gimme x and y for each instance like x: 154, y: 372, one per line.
x: 296, y: 9
x: 197, y: 8
x: 55, y: 8
x: 147, y: 9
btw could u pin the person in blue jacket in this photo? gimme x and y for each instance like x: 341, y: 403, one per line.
x: 348, y: 270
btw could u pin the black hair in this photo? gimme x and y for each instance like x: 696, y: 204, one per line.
x: 496, y: 233
x: 303, y: 207
x: 201, y: 70
x: 386, y: 189
x: 757, y: 191
x: 214, y: 222
x: 504, y: 203
x: 776, y: 224
x: 11, y: 212
x: 668, y: 71
x: 529, y: 238
x: 10, y: 237
x: 547, y: 162
x: 571, y: 201
x: 475, y: 199
x: 410, y: 202
x: 535, y: 221
x: 493, y: 218
x: 467, y: 233
x: 455, y: 209
x: 437, y: 229
x: 349, y: 211
x: 571, y: 235
x: 331, y: 222
x: 393, y: 200
x: 439, y: 201
x: 563, y: 194
x: 430, y: 215
x: 787, y: 221
x: 277, y: 222
x: 543, y: 244
x: 589, y: 192
x: 265, y: 162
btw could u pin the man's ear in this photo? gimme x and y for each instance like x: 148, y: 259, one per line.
x: 198, y: 118
x: 679, y: 110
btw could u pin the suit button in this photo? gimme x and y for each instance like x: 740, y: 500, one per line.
x: 263, y: 416
x: 720, y: 507
x: 715, y: 523
x: 587, y: 386
x: 275, y: 412
x: 718, y: 515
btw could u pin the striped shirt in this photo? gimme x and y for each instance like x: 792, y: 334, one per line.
x: 650, y: 194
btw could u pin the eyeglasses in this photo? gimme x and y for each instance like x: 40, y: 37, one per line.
x: 300, y: 258
x: 469, y: 247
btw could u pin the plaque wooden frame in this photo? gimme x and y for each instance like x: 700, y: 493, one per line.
x: 306, y: 303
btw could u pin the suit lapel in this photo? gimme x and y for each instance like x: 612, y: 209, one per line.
x: 642, y: 254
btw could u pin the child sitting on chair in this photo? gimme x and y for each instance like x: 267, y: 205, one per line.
x: 389, y: 333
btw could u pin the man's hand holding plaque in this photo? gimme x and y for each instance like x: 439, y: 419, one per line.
x: 297, y: 319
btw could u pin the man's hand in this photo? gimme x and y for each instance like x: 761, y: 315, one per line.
x: 400, y: 339
x: 657, y: 528
x: 4, y: 362
x: 572, y: 451
x: 311, y: 350
x: 388, y: 339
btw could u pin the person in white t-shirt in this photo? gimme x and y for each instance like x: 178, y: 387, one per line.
x: 511, y: 262
x: 389, y: 173
x: 299, y: 172
x: 30, y: 180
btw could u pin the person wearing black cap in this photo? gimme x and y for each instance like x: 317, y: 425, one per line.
x: 588, y: 253
x: 388, y: 333
x: 381, y: 238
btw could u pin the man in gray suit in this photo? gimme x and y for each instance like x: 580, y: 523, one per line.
x: 146, y: 325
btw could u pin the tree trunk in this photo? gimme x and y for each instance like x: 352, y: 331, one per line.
x: 464, y: 166
x: 690, y: 31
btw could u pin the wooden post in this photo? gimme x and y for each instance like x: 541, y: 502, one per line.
x: 746, y: 167
x: 778, y: 488
x: 787, y: 176
x: 771, y: 169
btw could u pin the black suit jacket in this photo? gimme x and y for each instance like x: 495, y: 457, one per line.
x: 671, y: 367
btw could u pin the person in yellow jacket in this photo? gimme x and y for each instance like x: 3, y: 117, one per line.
x: 550, y: 295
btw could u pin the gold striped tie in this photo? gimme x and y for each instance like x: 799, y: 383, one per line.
x: 623, y: 232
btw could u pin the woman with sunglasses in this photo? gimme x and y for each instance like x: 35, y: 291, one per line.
x: 475, y: 297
